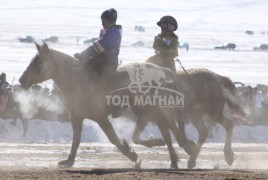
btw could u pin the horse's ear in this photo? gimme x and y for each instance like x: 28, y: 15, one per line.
x: 45, y: 47
x: 38, y: 47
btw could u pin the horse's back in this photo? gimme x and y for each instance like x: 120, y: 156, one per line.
x: 205, y: 86
x: 143, y: 70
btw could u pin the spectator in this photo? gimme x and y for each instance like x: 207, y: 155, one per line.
x: 3, y: 83
x: 258, y: 109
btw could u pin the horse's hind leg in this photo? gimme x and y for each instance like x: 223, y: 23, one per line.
x: 228, y: 152
x: 140, y: 125
x: 77, y: 124
x: 203, y: 134
x: 108, y: 129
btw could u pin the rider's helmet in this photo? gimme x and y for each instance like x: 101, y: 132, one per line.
x: 168, y: 22
x: 110, y: 15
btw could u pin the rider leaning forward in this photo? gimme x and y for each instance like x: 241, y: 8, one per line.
x: 107, y: 46
x: 166, y: 44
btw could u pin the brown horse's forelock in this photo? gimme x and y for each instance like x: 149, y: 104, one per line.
x: 34, y: 58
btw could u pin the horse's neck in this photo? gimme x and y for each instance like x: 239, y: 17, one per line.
x: 66, y: 71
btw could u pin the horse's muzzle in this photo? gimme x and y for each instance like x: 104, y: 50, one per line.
x: 23, y: 83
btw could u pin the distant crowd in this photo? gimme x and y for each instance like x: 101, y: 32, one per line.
x: 255, y: 99
x: 13, y: 107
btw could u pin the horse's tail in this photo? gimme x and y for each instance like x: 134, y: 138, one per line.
x: 229, y: 93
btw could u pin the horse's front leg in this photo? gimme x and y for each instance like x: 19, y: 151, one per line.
x: 140, y: 125
x: 108, y: 129
x: 166, y: 135
x: 77, y: 123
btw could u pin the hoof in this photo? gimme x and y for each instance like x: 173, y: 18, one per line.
x: 133, y: 156
x: 137, y: 164
x: 229, y: 157
x: 128, y: 152
x: 66, y: 163
x: 191, y: 163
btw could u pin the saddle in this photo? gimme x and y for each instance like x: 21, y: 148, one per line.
x: 103, y: 72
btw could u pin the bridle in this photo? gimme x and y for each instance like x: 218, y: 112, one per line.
x: 51, y: 66
x: 52, y: 63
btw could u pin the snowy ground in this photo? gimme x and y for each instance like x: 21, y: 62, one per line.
x: 49, y: 142
x: 102, y: 155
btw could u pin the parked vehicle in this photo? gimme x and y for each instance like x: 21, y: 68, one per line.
x: 219, y: 46
x: 90, y: 40
x: 52, y: 39
x: 230, y: 46
x: 249, y: 32
x: 139, y: 28
x: 26, y: 39
x: 261, y: 47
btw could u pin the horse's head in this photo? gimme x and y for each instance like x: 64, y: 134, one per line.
x: 39, y: 69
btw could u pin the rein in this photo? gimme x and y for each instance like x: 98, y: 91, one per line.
x: 192, y: 82
x: 179, y: 61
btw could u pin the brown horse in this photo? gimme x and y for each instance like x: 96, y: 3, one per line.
x: 205, y: 92
x: 85, y: 97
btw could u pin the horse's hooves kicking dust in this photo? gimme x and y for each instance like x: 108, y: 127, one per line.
x: 229, y: 157
x: 65, y: 164
x: 137, y: 164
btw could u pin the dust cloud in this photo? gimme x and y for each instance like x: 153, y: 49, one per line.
x: 31, y: 101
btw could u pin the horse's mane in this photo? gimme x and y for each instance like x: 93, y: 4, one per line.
x: 71, y: 67
x: 65, y: 57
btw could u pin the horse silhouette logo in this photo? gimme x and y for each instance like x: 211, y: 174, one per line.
x: 141, y: 74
